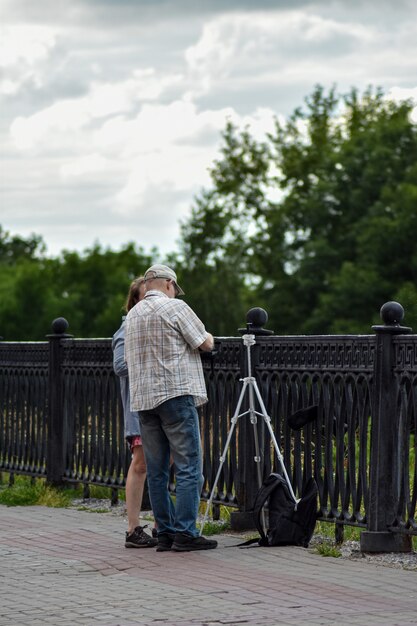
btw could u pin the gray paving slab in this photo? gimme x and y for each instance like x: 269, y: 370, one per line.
x: 69, y: 567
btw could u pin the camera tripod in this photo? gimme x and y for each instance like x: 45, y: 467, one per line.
x: 250, y: 385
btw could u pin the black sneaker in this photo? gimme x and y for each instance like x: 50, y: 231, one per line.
x: 183, y: 542
x: 165, y: 541
x: 139, y: 539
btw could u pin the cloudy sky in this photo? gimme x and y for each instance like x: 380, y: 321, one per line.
x: 112, y: 110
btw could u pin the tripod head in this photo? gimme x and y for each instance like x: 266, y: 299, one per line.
x: 255, y: 319
x: 249, y: 340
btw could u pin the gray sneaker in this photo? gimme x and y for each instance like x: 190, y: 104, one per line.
x: 183, y: 542
x: 139, y: 539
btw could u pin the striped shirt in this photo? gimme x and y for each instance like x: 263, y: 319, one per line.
x: 162, y: 335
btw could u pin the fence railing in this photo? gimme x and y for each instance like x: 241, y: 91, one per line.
x: 61, y: 417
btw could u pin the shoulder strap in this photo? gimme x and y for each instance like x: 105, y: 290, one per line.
x: 249, y: 542
x: 262, y: 496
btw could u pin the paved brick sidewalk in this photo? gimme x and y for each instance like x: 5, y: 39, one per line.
x: 66, y: 567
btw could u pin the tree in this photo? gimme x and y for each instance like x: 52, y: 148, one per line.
x: 14, y: 248
x: 318, y: 220
x: 316, y: 223
x: 215, y: 260
x: 88, y: 289
x: 92, y: 287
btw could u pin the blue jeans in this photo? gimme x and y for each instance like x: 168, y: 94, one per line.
x: 172, y: 429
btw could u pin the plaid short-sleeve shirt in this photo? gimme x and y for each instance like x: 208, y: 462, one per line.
x: 161, y: 340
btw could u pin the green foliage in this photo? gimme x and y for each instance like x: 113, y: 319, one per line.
x: 328, y: 549
x: 104, y: 493
x: 56, y: 498
x: 15, y: 248
x: 94, y: 287
x: 316, y: 223
x: 88, y: 289
x: 327, y: 530
x: 20, y: 494
x: 212, y: 527
x: 216, y: 294
x: 24, y: 492
x: 352, y: 533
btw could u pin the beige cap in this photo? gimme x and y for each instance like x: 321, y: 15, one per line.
x: 163, y: 271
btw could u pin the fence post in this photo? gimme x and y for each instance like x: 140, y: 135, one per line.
x: 384, y: 466
x: 55, y: 451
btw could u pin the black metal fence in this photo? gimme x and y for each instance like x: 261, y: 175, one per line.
x: 61, y: 417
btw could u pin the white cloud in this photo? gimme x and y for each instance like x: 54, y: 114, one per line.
x: 119, y: 125
x: 282, y: 50
x: 109, y: 134
x: 87, y: 166
x: 23, y: 49
x: 235, y: 44
x: 26, y: 43
x: 46, y: 128
x: 166, y: 152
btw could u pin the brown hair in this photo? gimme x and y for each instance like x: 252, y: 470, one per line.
x: 134, y: 293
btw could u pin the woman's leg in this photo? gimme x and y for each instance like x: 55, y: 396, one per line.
x: 135, y: 483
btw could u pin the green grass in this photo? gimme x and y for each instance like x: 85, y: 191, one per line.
x: 214, y: 527
x: 224, y: 511
x: 328, y: 549
x: 327, y: 529
x: 24, y: 492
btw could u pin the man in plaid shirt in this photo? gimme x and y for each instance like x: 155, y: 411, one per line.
x: 162, y: 343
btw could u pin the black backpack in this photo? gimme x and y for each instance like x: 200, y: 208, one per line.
x: 289, y: 523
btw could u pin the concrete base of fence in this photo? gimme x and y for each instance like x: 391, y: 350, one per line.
x: 375, y: 541
x: 242, y: 520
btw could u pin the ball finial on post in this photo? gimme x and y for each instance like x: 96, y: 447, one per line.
x: 60, y: 325
x: 255, y: 320
x: 257, y: 317
x: 392, y: 313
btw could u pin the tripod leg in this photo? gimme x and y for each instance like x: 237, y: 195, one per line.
x: 267, y: 420
x: 223, y: 456
x: 254, y: 422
